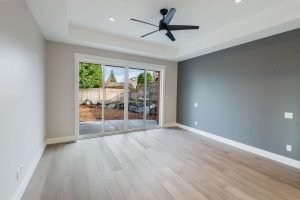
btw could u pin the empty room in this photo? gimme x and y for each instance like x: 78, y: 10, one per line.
x: 140, y: 99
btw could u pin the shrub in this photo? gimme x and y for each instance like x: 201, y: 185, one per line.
x: 90, y: 75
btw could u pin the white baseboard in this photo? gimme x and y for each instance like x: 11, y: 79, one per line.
x: 61, y: 140
x: 260, y: 152
x: 170, y: 125
x: 18, y: 195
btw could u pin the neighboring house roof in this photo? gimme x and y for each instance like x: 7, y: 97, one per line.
x: 114, y: 85
x: 132, y: 82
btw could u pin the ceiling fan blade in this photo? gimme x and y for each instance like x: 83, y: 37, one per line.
x: 169, y: 16
x: 136, y: 20
x: 170, y: 35
x: 182, y: 27
x: 149, y: 33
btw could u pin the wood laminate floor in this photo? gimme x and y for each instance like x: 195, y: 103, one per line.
x: 158, y: 164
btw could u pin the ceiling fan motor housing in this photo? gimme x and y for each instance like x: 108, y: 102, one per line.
x: 162, y: 25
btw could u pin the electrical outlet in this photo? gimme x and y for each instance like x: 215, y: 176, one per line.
x: 289, y: 148
x: 18, y: 174
x: 196, y: 123
x: 288, y: 115
x: 195, y: 105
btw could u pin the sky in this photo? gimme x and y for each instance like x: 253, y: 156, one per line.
x: 119, y: 73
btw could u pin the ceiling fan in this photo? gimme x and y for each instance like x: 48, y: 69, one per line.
x: 164, y: 24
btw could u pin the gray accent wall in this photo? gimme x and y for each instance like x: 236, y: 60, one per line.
x: 243, y: 92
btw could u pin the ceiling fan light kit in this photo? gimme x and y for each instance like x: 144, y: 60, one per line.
x: 164, y: 24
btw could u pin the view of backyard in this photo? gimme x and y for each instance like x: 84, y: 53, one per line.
x: 108, y: 94
x: 94, y: 112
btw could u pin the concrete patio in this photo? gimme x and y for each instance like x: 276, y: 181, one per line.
x: 94, y: 127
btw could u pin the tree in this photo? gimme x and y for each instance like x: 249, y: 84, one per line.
x: 112, y: 78
x: 141, y: 78
x: 90, y: 75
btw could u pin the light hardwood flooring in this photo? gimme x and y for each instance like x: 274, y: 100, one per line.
x: 158, y: 164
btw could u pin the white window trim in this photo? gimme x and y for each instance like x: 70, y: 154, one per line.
x: 116, y: 62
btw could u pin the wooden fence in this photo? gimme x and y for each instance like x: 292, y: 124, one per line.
x: 95, y: 95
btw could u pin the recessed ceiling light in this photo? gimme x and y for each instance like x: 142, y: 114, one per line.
x: 238, y: 1
x: 112, y: 19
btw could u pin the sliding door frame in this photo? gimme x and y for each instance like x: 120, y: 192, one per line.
x: 126, y: 64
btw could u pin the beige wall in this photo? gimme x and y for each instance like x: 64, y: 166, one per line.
x: 60, y: 77
x: 22, y: 116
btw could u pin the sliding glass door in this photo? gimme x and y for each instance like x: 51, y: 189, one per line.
x: 90, y: 98
x: 136, y: 96
x: 152, y: 98
x: 114, y: 90
x: 115, y: 99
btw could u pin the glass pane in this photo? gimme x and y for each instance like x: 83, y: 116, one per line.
x: 136, y: 98
x: 152, y: 98
x: 90, y: 98
x: 114, y: 98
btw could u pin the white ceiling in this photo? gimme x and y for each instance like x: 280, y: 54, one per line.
x: 222, y: 24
